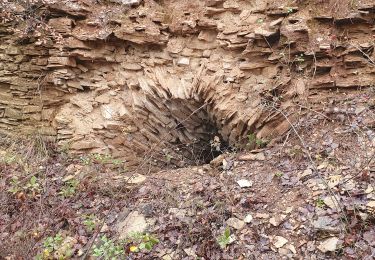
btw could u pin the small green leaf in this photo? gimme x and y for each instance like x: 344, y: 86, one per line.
x: 148, y: 246
x: 154, y: 240
x: 227, y: 232
x: 142, y: 246
x: 33, y: 180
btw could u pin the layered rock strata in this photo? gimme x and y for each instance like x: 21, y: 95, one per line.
x: 156, y: 81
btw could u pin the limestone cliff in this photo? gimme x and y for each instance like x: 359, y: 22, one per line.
x: 159, y: 79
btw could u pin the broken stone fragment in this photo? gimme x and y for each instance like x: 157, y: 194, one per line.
x: 262, y: 215
x: 183, y: 61
x: 131, y: 66
x: 133, y: 223
x: 252, y: 157
x: 248, y: 218
x: 127, y: 2
x: 328, y: 245
x: 244, y: 183
x: 136, y: 179
x: 279, y: 241
x: 332, y: 202
x: 61, y: 25
x: 13, y: 113
x: 277, y: 220
x: 326, y: 223
x: 85, y: 144
x: 236, y: 223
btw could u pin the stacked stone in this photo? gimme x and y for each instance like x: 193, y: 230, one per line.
x: 156, y: 82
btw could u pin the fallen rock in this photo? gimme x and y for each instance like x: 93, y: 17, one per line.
x: 136, y: 179
x: 127, y: 2
x: 217, y: 161
x: 248, y: 218
x: 326, y: 223
x: 183, y: 62
x: 252, y: 157
x: 235, y: 223
x: 245, y: 183
x: 190, y: 252
x: 292, y: 249
x: 328, y: 245
x: 275, y: 221
x: 279, y: 241
x: 332, y: 202
x: 262, y: 215
x: 133, y: 223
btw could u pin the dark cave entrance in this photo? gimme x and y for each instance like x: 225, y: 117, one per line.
x: 197, y: 139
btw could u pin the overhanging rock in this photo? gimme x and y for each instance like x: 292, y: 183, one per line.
x: 156, y: 82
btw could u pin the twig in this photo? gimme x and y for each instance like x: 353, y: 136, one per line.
x: 365, y: 54
x: 312, y: 162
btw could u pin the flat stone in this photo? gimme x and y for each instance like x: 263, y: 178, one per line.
x: 275, y: 221
x: 13, y: 113
x: 328, y: 245
x: 131, y: 66
x: 236, y: 223
x: 133, y: 223
x: 332, y: 202
x: 245, y: 183
x: 179, y: 213
x: 127, y: 2
x: 326, y: 223
x: 183, y: 61
x: 252, y: 157
x: 279, y: 241
x: 85, y: 144
x: 137, y: 179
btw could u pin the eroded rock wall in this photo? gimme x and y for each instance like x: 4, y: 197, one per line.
x: 160, y: 79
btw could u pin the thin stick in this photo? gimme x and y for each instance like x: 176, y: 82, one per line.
x: 313, y: 163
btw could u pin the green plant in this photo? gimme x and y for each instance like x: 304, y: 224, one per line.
x: 168, y: 158
x: 90, y: 222
x: 9, y: 158
x: 55, y: 245
x: 261, y: 143
x: 33, y: 185
x: 279, y: 174
x: 254, y: 142
x: 320, y: 203
x: 69, y: 188
x: 142, y: 241
x: 296, y: 152
x: 260, y: 20
x: 107, y: 249
x: 85, y: 160
x: 251, y: 138
x: 101, y: 158
x: 51, y: 243
x: 299, y: 58
x: 116, y: 162
x: 289, y: 10
x: 224, y: 239
x: 15, y: 185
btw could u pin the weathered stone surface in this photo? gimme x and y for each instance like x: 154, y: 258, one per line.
x: 157, y: 84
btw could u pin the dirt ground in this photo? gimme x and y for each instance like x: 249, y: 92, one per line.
x: 308, y: 195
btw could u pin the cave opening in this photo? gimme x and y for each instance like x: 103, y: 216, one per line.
x: 196, y: 138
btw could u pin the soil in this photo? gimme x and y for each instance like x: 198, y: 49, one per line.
x: 285, y: 210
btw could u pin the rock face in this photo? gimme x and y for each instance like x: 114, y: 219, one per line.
x: 153, y: 82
